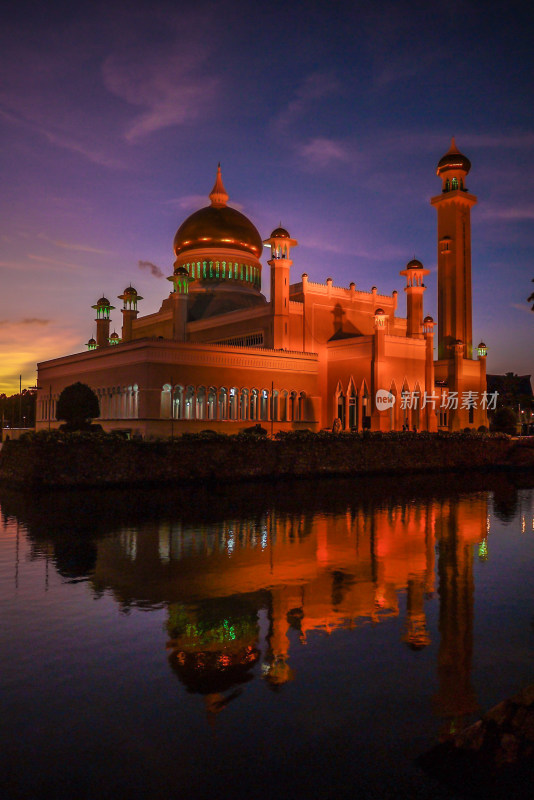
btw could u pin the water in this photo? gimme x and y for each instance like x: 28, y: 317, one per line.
x: 294, y: 641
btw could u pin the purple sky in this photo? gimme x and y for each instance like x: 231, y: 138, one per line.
x: 329, y: 117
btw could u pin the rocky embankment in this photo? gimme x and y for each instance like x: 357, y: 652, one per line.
x: 61, y: 460
x: 493, y: 758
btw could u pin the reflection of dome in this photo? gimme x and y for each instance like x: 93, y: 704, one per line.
x: 218, y: 226
x: 209, y: 672
x: 453, y: 160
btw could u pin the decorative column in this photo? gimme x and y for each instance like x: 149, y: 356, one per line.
x: 431, y: 421
x: 379, y: 419
x: 481, y: 414
x: 280, y: 263
x: 414, y: 289
x: 180, y: 295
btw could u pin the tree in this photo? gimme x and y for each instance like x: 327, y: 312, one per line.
x: 505, y: 421
x: 77, y: 405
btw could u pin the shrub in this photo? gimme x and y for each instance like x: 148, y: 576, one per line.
x: 504, y: 421
x: 77, y: 405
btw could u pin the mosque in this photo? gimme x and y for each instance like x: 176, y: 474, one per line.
x: 218, y: 355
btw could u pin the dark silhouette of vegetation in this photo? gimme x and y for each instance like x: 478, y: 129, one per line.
x: 18, y: 410
x: 531, y: 298
x: 77, y: 405
x: 504, y: 421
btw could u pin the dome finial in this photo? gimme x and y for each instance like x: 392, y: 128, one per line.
x: 218, y: 195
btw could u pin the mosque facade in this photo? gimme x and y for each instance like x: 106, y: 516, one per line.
x: 217, y: 355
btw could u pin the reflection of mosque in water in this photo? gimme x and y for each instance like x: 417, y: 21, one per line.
x: 244, y: 593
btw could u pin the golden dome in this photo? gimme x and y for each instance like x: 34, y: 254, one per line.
x: 218, y: 226
x: 280, y: 233
x: 414, y: 264
x: 453, y: 159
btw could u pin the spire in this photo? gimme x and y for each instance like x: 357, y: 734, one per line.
x: 218, y: 195
x: 453, y: 148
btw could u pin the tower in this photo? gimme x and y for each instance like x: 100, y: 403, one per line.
x: 415, y: 288
x: 129, y: 311
x: 454, y: 254
x: 102, y: 308
x: 280, y: 263
x: 180, y: 279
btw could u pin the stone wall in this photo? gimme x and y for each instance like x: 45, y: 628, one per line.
x: 62, y: 460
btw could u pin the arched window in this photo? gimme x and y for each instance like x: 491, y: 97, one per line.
x: 353, y: 409
x: 135, y: 401
x: 244, y: 405
x: 275, y: 410
x: 283, y: 406
x: 293, y: 407
x: 454, y: 183
x: 189, y: 407
x: 178, y: 402
x: 447, y: 185
x: 212, y: 402
x: 366, y: 408
x: 201, y: 403
x: 232, y: 403
x: 223, y: 403
x: 341, y: 408
x: 254, y: 404
x: 264, y: 405
x: 302, y: 406
x: 165, y: 404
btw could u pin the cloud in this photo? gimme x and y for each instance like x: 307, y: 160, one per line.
x: 314, y: 88
x: 61, y: 139
x: 512, y: 140
x: 512, y: 214
x: 73, y: 246
x: 154, y: 269
x: 27, y: 321
x: 170, y: 88
x: 57, y: 265
x: 522, y: 307
x: 322, y: 152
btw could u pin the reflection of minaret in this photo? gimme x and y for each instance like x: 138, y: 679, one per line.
x: 455, y: 698
x: 276, y: 669
x: 416, y: 633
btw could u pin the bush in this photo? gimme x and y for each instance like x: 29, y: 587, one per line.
x: 77, y: 405
x: 255, y: 430
x: 482, y: 429
x: 504, y: 421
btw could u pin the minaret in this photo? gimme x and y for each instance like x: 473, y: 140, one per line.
x: 179, y: 296
x: 415, y: 288
x: 280, y: 263
x: 102, y: 308
x: 454, y: 254
x: 129, y: 311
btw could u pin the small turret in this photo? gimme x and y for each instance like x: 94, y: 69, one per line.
x: 129, y: 311
x: 103, y: 308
